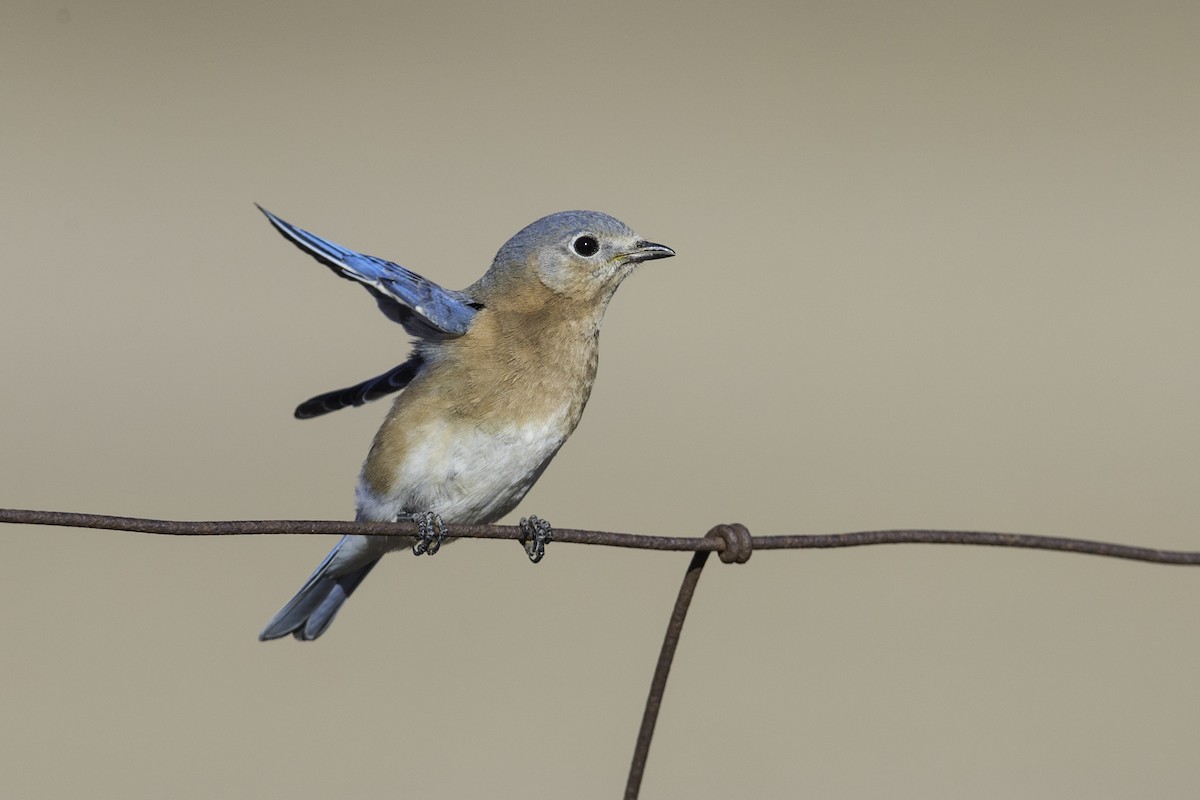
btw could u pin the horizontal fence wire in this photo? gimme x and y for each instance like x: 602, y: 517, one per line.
x: 405, y: 528
x: 733, y: 543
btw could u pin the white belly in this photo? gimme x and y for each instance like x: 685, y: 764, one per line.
x: 465, y: 473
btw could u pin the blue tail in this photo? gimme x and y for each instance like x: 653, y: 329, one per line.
x: 308, y: 614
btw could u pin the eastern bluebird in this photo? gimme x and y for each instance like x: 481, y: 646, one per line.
x: 496, y: 382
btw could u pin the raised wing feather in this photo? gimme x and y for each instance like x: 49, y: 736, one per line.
x: 425, y: 309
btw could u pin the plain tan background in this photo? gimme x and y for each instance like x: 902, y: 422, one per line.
x: 938, y: 266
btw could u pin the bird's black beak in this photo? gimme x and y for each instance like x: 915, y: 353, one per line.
x: 648, y: 251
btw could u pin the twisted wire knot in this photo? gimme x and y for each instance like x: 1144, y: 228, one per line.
x: 737, y: 542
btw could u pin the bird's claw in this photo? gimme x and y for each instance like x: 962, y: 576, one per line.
x: 431, y: 532
x: 535, y: 533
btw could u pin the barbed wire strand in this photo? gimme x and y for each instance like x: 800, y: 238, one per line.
x: 732, y: 542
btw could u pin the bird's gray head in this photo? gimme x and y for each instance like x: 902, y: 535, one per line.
x: 583, y: 255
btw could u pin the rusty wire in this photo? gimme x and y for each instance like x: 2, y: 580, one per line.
x: 733, y: 543
x: 405, y: 528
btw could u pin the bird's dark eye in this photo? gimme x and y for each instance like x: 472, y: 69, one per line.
x: 586, y: 246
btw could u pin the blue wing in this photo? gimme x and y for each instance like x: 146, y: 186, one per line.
x: 425, y: 309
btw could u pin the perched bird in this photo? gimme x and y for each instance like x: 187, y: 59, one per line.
x: 496, y: 382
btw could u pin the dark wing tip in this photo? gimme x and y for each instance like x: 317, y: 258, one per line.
x: 391, y: 381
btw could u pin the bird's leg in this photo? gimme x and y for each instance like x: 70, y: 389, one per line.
x: 432, y: 532
x: 535, y: 533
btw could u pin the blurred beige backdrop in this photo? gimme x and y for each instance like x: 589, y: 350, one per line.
x: 938, y: 266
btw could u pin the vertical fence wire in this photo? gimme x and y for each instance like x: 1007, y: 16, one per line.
x: 659, y: 684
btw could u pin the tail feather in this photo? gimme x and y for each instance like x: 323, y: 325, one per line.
x: 308, y: 614
x: 320, y: 618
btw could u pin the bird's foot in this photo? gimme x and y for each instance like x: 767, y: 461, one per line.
x: 431, y: 532
x: 535, y: 533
